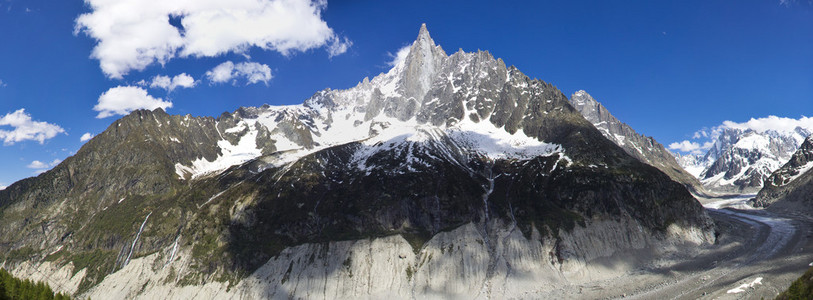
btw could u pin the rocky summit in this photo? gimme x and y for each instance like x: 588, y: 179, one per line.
x: 450, y: 176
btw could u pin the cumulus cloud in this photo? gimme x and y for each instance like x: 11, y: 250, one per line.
x: 26, y: 129
x: 690, y: 147
x: 338, y: 46
x: 37, y: 165
x: 252, y: 72
x: 772, y: 123
x: 42, y: 166
x: 399, y: 56
x: 133, y: 34
x: 121, y: 100
x: 171, y: 83
x: 86, y: 137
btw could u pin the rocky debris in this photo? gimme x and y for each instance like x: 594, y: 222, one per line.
x: 464, y: 263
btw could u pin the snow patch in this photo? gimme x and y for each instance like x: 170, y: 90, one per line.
x: 754, y: 142
x: 802, y: 170
x: 745, y: 286
x: 496, y: 143
x: 245, y: 150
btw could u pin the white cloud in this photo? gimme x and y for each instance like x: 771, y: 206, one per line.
x: 2, y: 187
x: 691, y: 147
x: 86, y: 137
x: 253, y: 72
x: 41, y: 165
x: 771, y: 123
x: 133, y: 34
x: 2, y: 84
x: 399, y: 56
x: 170, y: 83
x: 229, y: 72
x: 37, y: 165
x: 26, y: 129
x: 121, y: 100
x: 222, y: 73
x: 338, y: 46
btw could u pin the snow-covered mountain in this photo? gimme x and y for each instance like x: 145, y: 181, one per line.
x: 644, y: 148
x: 423, y: 97
x: 741, y: 159
x: 449, y: 176
x: 791, y: 186
x: 694, y: 164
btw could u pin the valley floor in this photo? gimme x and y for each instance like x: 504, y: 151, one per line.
x: 758, y: 254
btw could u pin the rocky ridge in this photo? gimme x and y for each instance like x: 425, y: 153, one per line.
x: 644, y: 148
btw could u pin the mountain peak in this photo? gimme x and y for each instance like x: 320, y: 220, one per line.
x: 424, y: 40
x: 421, y: 64
x: 580, y: 96
x: 423, y: 32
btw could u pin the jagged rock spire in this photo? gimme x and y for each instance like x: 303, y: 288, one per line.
x: 424, y: 37
x: 421, y: 64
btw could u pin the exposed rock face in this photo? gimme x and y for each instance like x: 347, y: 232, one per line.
x: 743, y: 159
x: 439, y: 152
x: 644, y: 148
x: 791, y: 186
x: 464, y: 263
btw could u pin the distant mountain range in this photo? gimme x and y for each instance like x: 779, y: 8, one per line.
x: 740, y: 160
x: 791, y: 186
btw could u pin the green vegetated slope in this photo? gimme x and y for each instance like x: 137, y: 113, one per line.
x: 15, y: 288
x: 802, y: 288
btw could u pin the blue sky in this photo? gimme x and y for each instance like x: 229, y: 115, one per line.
x: 667, y: 68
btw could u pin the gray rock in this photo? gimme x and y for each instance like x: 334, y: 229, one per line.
x: 644, y: 148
